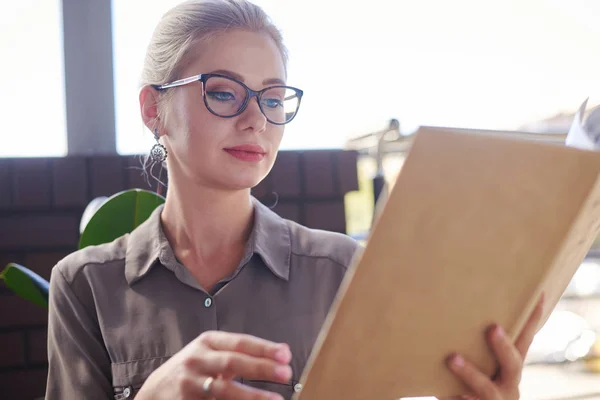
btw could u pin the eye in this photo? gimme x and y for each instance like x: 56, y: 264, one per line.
x: 272, y: 103
x: 221, y: 96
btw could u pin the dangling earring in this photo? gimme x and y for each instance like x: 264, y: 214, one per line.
x: 158, y: 153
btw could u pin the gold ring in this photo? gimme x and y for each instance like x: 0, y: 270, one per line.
x: 207, y: 385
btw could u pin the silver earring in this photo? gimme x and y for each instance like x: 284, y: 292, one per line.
x: 158, y: 153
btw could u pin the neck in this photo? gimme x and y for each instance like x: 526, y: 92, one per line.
x: 203, y: 223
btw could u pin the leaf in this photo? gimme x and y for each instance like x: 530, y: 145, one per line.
x: 118, y: 215
x: 26, y: 283
x: 89, y: 212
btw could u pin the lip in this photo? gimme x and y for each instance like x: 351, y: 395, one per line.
x: 249, y: 148
x: 247, y: 152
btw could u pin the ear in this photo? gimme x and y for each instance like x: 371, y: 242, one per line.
x: 149, y: 107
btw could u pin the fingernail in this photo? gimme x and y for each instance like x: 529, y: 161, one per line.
x: 283, y: 355
x: 458, y: 361
x: 283, y: 372
x: 499, y: 332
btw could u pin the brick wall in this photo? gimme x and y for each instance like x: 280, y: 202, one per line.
x: 42, y: 200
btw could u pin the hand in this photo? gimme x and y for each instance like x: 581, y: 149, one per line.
x: 221, y: 356
x: 511, y: 357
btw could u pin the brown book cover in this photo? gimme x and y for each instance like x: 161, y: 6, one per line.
x: 475, y: 227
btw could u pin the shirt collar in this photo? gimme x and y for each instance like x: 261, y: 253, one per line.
x: 270, y: 239
x: 143, y: 247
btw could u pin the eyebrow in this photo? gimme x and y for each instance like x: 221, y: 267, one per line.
x: 270, y: 81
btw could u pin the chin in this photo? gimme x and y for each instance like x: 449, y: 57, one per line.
x: 235, y: 177
x: 243, y: 182
x: 245, y: 177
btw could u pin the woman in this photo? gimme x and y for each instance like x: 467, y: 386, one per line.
x: 214, y: 296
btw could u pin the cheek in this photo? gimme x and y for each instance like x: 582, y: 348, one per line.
x: 204, y: 140
x: 277, y: 136
x: 275, y: 140
x: 197, y: 129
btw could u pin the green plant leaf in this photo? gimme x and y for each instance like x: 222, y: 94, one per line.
x: 89, y: 212
x: 26, y: 283
x: 118, y: 215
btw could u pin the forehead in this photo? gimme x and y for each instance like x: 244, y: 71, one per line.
x: 252, y: 55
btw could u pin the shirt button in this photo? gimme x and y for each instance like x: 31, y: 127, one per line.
x: 297, y: 387
x: 127, y: 392
x: 207, y: 302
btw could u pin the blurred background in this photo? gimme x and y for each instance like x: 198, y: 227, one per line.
x: 372, y: 73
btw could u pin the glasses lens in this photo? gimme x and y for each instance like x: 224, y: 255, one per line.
x: 224, y: 97
x: 280, y: 104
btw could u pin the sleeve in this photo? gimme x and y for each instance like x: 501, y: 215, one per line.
x: 78, y: 363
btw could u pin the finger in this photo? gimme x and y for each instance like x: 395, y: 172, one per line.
x: 231, y: 390
x: 509, y: 358
x: 477, y: 381
x: 231, y: 364
x: 248, y: 344
x: 529, y: 330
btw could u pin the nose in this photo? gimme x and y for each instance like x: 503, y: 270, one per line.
x: 252, y: 117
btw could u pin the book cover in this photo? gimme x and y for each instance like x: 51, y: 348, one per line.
x: 474, y: 229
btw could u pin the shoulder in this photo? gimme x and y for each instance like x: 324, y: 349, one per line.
x: 75, y: 263
x: 76, y: 280
x: 320, y: 244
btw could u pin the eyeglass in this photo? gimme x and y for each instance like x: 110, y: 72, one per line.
x: 227, y: 97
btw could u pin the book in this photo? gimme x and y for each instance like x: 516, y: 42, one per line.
x: 474, y: 229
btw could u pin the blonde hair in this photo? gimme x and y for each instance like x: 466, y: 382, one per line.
x: 196, y: 21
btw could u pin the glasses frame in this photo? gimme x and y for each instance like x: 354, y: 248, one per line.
x: 249, y: 94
